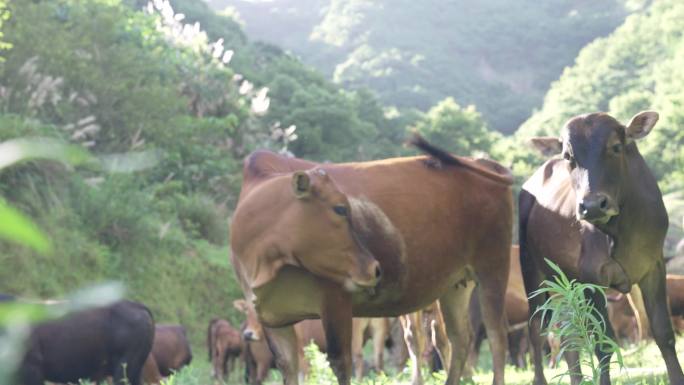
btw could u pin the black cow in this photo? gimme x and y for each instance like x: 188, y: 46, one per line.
x: 113, y: 340
x: 597, y: 212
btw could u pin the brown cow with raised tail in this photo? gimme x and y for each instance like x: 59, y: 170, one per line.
x: 373, y: 239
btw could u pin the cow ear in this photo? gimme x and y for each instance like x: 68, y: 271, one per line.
x: 547, y: 145
x: 301, y: 184
x: 641, y: 124
x: 240, y: 305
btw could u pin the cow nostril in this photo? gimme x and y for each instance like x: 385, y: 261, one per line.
x: 582, y: 208
x: 378, y: 272
x: 603, y: 203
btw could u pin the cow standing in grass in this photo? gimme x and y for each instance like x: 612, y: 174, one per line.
x: 595, y: 210
x: 113, y: 340
x: 373, y: 239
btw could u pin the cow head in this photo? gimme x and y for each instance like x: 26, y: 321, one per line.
x: 322, y: 237
x: 252, y: 330
x: 597, y: 149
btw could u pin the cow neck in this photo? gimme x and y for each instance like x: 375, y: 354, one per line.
x: 639, y: 229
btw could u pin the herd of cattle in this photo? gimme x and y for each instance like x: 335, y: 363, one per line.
x: 331, y: 253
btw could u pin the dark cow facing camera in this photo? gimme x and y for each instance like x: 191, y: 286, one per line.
x: 595, y: 210
x: 112, y: 340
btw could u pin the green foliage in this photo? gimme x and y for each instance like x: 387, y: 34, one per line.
x: 461, y: 130
x: 498, y: 55
x: 572, y: 317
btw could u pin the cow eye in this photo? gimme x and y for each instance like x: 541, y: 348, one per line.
x: 617, y: 148
x: 569, y: 158
x: 340, y: 210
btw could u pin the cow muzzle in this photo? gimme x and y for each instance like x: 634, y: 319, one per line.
x: 597, y: 208
x: 368, y: 278
x: 250, y: 335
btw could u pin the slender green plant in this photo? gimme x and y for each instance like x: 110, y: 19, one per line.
x: 570, y: 315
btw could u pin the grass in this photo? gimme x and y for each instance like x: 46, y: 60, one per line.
x: 643, y: 366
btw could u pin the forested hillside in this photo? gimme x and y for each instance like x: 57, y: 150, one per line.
x: 496, y: 54
x: 638, y: 67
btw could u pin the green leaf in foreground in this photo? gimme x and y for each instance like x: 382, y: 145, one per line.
x: 25, y: 149
x: 14, y: 226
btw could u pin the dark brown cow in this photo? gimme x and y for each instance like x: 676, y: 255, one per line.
x: 224, y: 344
x: 597, y: 212
x: 112, y: 340
x: 311, y: 240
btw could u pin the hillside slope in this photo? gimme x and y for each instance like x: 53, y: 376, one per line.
x: 496, y: 54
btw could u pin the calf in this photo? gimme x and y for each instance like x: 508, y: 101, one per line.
x: 112, y: 340
x: 306, y: 331
x: 224, y: 345
x: 597, y: 212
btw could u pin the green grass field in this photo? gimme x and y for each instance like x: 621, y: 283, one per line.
x: 643, y: 366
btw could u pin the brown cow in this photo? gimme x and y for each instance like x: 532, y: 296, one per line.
x: 597, y: 212
x: 224, y: 345
x: 517, y: 313
x: 311, y: 240
x: 112, y: 340
x: 170, y: 352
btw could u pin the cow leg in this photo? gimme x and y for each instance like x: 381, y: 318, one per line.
x: 440, y: 340
x: 31, y: 374
x: 336, y: 316
x: 453, y: 303
x: 217, y: 361
x: 151, y: 373
x: 414, y: 336
x: 283, y: 344
x: 655, y: 301
x: 357, y: 346
x: 572, y: 358
x: 261, y: 373
x: 128, y: 369
x: 492, y: 293
x: 380, y: 330
x: 602, y: 353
